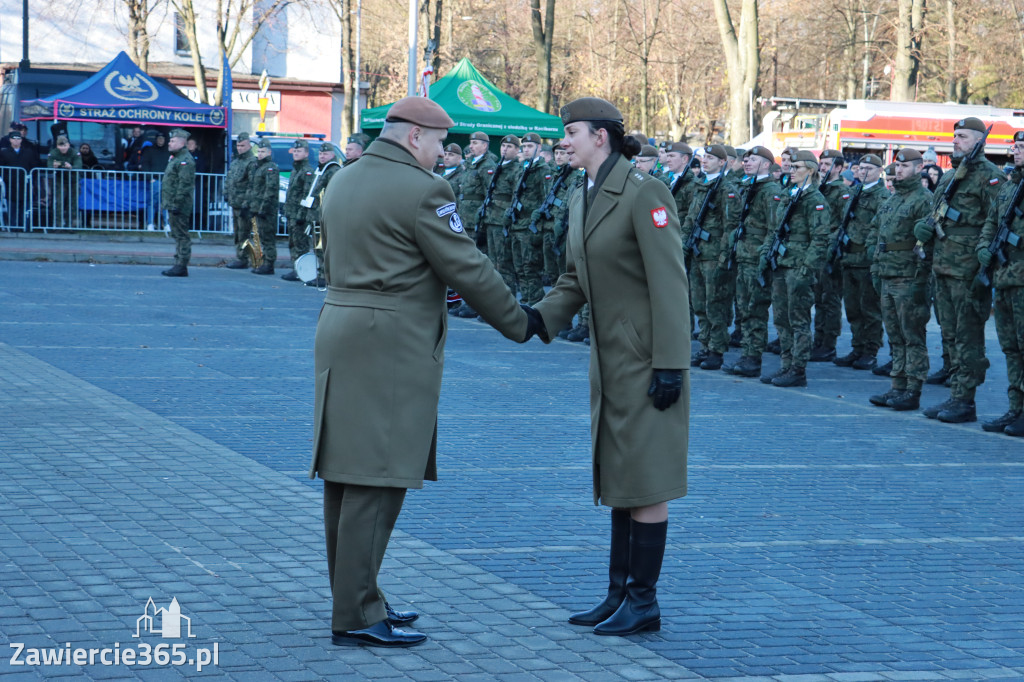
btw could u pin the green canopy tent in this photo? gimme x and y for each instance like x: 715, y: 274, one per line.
x: 474, y: 103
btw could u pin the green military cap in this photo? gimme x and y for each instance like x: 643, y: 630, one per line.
x: 804, y: 156
x: 420, y: 111
x: 908, y: 154
x: 510, y: 139
x: 763, y: 152
x: 890, y: 169
x: 832, y: 154
x: 546, y: 148
x: 740, y: 152
x: 178, y: 132
x: 243, y: 137
x: 479, y: 135
x: 872, y: 159
x: 356, y: 139
x: 647, y: 151
x: 729, y: 151
x: 453, y: 149
x: 590, y: 109
x: 300, y: 144
x: 1018, y: 136
x: 970, y: 123
x: 717, y: 150
x: 679, y: 147
x: 329, y: 148
x: 264, y: 144
x: 532, y: 137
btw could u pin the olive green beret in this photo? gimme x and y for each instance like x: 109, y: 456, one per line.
x: 908, y: 154
x: 1018, y: 136
x: 648, y: 151
x: 804, y: 156
x: 729, y: 151
x: 453, y: 149
x: 832, y: 154
x: 479, y: 135
x: 178, y: 132
x: 264, y: 144
x: 763, y: 152
x: 970, y: 123
x: 679, y: 148
x: 717, y: 150
x: 242, y: 137
x: 590, y: 109
x: 546, y: 148
x: 420, y: 111
x: 872, y: 159
x: 532, y: 137
x: 300, y: 144
x: 510, y: 139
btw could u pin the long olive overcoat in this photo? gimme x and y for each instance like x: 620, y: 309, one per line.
x: 393, y: 242
x: 626, y: 259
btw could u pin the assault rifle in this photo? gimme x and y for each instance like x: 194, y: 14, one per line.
x: 512, y: 212
x: 1004, y: 236
x: 943, y: 209
x: 489, y: 195
x: 740, y: 233
x: 697, y: 233
x: 551, y: 199
x: 778, y: 246
x: 837, y: 249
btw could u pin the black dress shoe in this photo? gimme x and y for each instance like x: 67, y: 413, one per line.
x: 400, y: 617
x: 176, y: 270
x: 379, y: 634
x: 237, y: 264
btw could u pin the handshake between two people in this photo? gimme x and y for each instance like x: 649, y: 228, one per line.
x: 534, y: 325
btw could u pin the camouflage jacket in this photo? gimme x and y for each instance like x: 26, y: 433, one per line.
x: 974, y: 197
x: 836, y: 193
x: 809, y: 227
x: 264, y: 191
x: 72, y: 157
x: 504, y: 185
x: 721, y: 217
x: 682, y: 189
x: 894, y: 222
x: 237, y: 179
x: 454, y: 178
x: 327, y: 172
x: 537, y: 178
x: 559, y: 197
x: 299, y: 183
x: 863, y: 232
x: 179, y: 184
x: 1012, y: 273
x: 760, y: 219
x: 473, y: 186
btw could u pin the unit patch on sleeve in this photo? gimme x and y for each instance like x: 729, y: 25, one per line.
x: 445, y: 210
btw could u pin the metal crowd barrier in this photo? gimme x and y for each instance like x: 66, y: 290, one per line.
x: 126, y: 201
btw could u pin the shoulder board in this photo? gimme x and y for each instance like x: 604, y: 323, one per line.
x: 639, y: 177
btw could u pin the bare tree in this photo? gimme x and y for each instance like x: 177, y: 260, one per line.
x: 743, y: 61
x: 543, y: 35
x: 644, y: 30
x: 343, y: 10
x: 907, y: 60
x: 138, y: 31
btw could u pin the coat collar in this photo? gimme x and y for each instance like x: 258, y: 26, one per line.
x: 392, y: 151
x: 607, y: 194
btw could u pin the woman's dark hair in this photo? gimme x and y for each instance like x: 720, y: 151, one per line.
x: 617, y: 139
x: 926, y: 175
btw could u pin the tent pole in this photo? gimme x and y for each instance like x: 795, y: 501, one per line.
x: 413, y: 18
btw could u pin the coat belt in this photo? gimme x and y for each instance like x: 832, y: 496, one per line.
x: 362, y: 298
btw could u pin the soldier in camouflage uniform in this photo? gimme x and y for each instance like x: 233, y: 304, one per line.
x: 647, y: 162
x: 299, y: 184
x: 501, y: 182
x: 753, y: 300
x: 236, y: 184
x: 525, y: 236
x: 453, y: 169
x: 904, y: 283
x: 65, y: 185
x: 682, y: 183
x: 1009, y: 299
x: 328, y: 163
x: 860, y: 298
x: 262, y: 202
x: 177, y: 196
x: 711, y: 285
x: 557, y: 200
x: 963, y: 308
x: 828, y: 292
x: 470, y: 194
x: 793, y: 280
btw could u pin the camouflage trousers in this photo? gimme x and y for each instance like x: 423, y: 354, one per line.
x: 828, y: 307
x: 711, y: 294
x: 752, y: 304
x: 863, y: 310
x: 499, y: 250
x: 267, y: 226
x: 552, y: 269
x: 1010, y: 329
x: 962, y: 316
x: 242, y: 222
x: 905, y: 323
x: 298, y: 240
x: 180, y: 223
x: 528, y: 261
x: 792, y: 298
x: 935, y: 308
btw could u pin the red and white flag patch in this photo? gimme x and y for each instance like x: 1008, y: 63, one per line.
x: 819, y: 207
x: 994, y: 181
x: 660, y: 217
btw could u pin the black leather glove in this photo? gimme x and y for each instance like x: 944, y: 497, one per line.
x: 666, y: 385
x: 534, y: 324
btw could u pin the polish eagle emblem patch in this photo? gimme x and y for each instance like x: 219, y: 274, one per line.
x: 659, y: 216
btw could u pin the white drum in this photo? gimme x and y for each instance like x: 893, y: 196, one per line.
x: 305, y: 267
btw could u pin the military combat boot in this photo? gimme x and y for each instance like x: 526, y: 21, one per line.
x: 568, y: 330
x: 999, y: 424
x: 939, y: 376
x: 882, y: 399
x: 907, y: 400
x: 265, y: 269
x: 746, y: 367
x: 1015, y: 428
x: 958, y: 412
x: 774, y: 346
x: 290, y: 276
x: 176, y: 270
x: 822, y: 354
x: 580, y: 334
x: 883, y: 370
x: 865, y: 362
x: 699, y: 357
x: 769, y: 378
x: 467, y: 313
x: 736, y: 338
x: 933, y: 411
x: 794, y: 378
x: 237, y: 264
x: 712, y: 361
x: 848, y: 359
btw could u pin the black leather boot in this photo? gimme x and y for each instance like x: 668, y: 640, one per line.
x: 999, y: 424
x: 958, y: 412
x: 769, y: 378
x: 618, y: 572
x: 712, y: 361
x: 907, y: 400
x: 237, y: 264
x: 176, y: 270
x: 774, y: 346
x: 796, y: 377
x: 639, y: 611
x: 746, y: 367
x: 882, y: 399
x: 939, y: 376
x: 848, y: 359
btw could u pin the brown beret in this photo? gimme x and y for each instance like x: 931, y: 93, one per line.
x: 804, y: 156
x: 1018, y: 136
x: 832, y: 154
x: 763, y: 152
x: 648, y: 150
x: 717, y: 150
x: 890, y: 169
x: 790, y: 152
x: 532, y: 137
x: 872, y: 159
x: 453, y: 149
x: 908, y: 154
x: 420, y: 111
x: 970, y: 123
x: 730, y: 151
x: 679, y: 147
x: 590, y: 109
x: 510, y: 139
x: 479, y: 135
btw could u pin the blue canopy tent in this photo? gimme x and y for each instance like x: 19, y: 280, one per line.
x: 122, y: 93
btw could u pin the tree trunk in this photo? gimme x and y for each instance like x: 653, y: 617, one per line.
x: 436, y: 63
x: 542, y: 38
x: 138, y: 33
x: 907, y: 60
x: 344, y: 11
x: 742, y: 59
